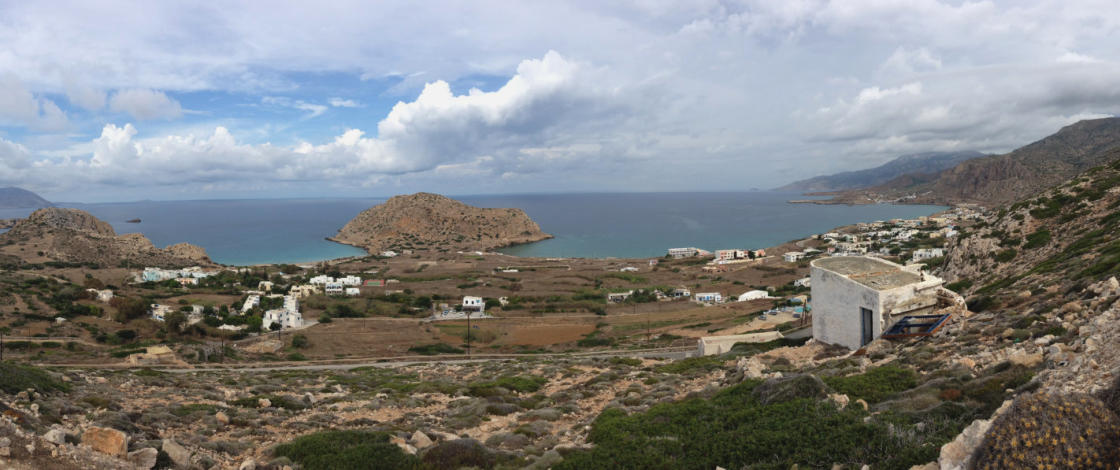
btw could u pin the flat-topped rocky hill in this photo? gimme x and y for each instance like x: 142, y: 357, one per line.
x: 75, y: 236
x: 426, y: 221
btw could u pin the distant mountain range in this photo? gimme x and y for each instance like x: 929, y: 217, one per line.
x: 17, y: 198
x: 929, y: 163
x: 1000, y: 179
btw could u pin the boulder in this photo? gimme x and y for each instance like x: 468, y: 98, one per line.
x: 420, y: 440
x: 957, y: 454
x: 55, y: 436
x: 264, y: 403
x: 1026, y: 359
x: 144, y: 458
x: 106, y: 440
x: 248, y: 464
x: 222, y: 417
x: 179, y: 454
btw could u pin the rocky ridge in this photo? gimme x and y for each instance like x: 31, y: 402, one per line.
x: 929, y: 163
x: 75, y: 236
x: 1006, y: 178
x: 425, y: 221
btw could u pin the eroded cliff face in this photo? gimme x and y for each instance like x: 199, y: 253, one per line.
x: 75, y: 236
x: 425, y: 221
x: 1066, y: 233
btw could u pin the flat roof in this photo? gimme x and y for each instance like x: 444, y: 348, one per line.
x: 875, y: 273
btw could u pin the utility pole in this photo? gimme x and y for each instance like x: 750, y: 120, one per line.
x: 468, y: 335
x: 1, y: 345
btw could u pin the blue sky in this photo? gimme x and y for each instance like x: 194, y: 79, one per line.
x: 113, y: 101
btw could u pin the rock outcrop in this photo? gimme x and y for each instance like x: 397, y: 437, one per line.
x: 425, y: 221
x: 75, y: 236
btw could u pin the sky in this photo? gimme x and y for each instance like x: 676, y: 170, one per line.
x: 119, y: 101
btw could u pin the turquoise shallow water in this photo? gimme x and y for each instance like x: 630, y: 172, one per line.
x: 257, y: 231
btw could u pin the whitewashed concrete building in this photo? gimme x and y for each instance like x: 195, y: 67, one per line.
x: 473, y: 304
x: 857, y: 298
x: 793, y: 256
x: 285, y: 318
x: 333, y: 288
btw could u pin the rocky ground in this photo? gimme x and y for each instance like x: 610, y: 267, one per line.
x: 223, y: 420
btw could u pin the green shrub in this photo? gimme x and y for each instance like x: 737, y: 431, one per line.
x: 519, y: 384
x: 1006, y: 255
x: 460, y: 453
x: 691, y: 365
x: 734, y: 430
x: 15, y: 378
x: 330, y: 450
x: 434, y: 349
x: 876, y: 384
x: 300, y: 341
x: 1037, y: 239
x: 959, y: 286
x: 626, y: 361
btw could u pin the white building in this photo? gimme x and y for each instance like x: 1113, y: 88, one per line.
x: 473, y: 304
x: 680, y: 292
x: 389, y: 254
x: 286, y: 319
x: 803, y: 282
x: 619, y: 297
x: 159, y: 312
x: 793, y: 256
x: 708, y: 297
x: 291, y: 303
x: 101, y: 295
x: 928, y: 253
x: 754, y: 295
x: 683, y: 252
x: 857, y: 298
x: 305, y: 290
x: 264, y: 286
x: 629, y: 269
x: 321, y: 280
x: 728, y: 255
x: 333, y: 288
x: 712, y: 345
x: 352, y: 291
x: 252, y: 301
x: 352, y: 281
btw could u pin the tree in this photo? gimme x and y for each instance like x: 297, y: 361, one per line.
x: 300, y: 341
x: 275, y: 326
x: 128, y: 308
x: 175, y: 321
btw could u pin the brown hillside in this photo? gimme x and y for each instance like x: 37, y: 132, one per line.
x: 74, y: 236
x: 1002, y: 179
x: 425, y: 221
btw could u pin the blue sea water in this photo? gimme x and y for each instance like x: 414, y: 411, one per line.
x: 258, y: 231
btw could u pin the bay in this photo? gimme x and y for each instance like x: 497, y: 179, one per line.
x: 625, y: 225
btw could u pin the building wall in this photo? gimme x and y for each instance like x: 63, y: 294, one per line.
x: 712, y: 345
x: 836, y: 309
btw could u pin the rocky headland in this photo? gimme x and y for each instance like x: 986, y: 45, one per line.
x: 75, y: 236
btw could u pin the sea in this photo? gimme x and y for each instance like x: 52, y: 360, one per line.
x: 623, y: 225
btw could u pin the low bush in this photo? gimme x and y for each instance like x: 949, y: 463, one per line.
x: 876, y: 384
x: 519, y: 384
x: 691, y: 365
x: 15, y: 378
x: 434, y: 349
x: 733, y: 429
x: 331, y: 450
